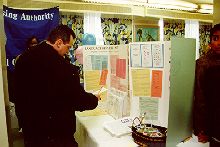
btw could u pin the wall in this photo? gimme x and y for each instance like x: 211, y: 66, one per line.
x: 216, y: 15
x: 3, y: 107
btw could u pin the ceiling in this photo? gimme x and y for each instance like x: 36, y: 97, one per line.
x: 22, y: 2
x: 200, y: 1
x: 82, y: 6
x: 191, y: 1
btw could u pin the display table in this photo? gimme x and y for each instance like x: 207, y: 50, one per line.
x: 90, y: 133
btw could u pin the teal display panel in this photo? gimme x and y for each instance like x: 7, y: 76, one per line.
x: 182, y: 76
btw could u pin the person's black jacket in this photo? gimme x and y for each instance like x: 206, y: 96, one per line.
x: 48, y: 93
x: 206, y: 116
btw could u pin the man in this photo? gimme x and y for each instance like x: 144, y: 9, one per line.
x: 48, y: 92
x: 207, y: 93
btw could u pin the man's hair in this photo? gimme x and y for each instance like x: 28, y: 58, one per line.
x: 61, y: 32
x: 214, y: 29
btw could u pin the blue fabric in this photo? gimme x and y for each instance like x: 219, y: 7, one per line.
x: 22, y: 24
x: 89, y: 39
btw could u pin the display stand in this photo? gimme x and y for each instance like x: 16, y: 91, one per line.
x: 106, y: 66
x: 146, y: 89
x: 149, y: 80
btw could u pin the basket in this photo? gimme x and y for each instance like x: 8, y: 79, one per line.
x: 148, y: 141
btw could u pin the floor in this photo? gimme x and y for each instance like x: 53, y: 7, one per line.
x: 17, y: 138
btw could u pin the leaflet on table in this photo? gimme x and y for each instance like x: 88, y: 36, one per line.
x: 115, y: 105
x: 119, y: 127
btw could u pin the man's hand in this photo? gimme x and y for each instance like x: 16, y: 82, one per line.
x: 98, y: 96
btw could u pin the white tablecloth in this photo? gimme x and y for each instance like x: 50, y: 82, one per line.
x: 90, y: 133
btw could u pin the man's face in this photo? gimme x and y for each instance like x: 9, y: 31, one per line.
x: 215, y: 42
x: 64, y: 48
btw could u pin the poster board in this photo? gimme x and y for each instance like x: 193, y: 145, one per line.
x: 149, y: 80
x: 182, y: 76
x: 106, y: 66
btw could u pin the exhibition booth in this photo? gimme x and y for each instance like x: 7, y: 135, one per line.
x: 138, y: 80
x: 137, y: 63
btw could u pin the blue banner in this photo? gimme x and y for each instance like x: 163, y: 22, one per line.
x: 20, y: 25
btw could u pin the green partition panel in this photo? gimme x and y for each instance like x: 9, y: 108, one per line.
x: 182, y: 75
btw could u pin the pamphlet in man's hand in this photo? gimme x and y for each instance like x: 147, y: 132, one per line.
x: 101, y: 90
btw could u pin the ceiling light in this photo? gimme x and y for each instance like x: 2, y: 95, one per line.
x: 162, y: 6
x: 174, y: 3
x: 206, y: 6
x: 125, y: 2
x: 206, y: 11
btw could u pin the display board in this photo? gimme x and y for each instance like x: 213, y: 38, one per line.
x: 145, y: 84
x: 105, y: 67
x: 149, y: 80
x: 182, y: 76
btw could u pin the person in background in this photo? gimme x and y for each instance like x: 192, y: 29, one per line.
x: 79, y: 54
x: 49, y: 92
x: 79, y: 58
x: 32, y: 41
x: 206, y: 120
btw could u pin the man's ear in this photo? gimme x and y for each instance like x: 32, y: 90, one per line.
x: 58, y: 43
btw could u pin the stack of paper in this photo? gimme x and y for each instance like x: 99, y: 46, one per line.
x: 119, y: 127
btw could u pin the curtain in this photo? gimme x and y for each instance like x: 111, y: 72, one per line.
x: 161, y: 25
x: 92, y: 25
x: 192, y: 31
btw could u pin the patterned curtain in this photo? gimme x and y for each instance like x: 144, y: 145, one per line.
x: 204, y: 32
x: 173, y: 28
x: 116, y: 31
x: 74, y: 22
